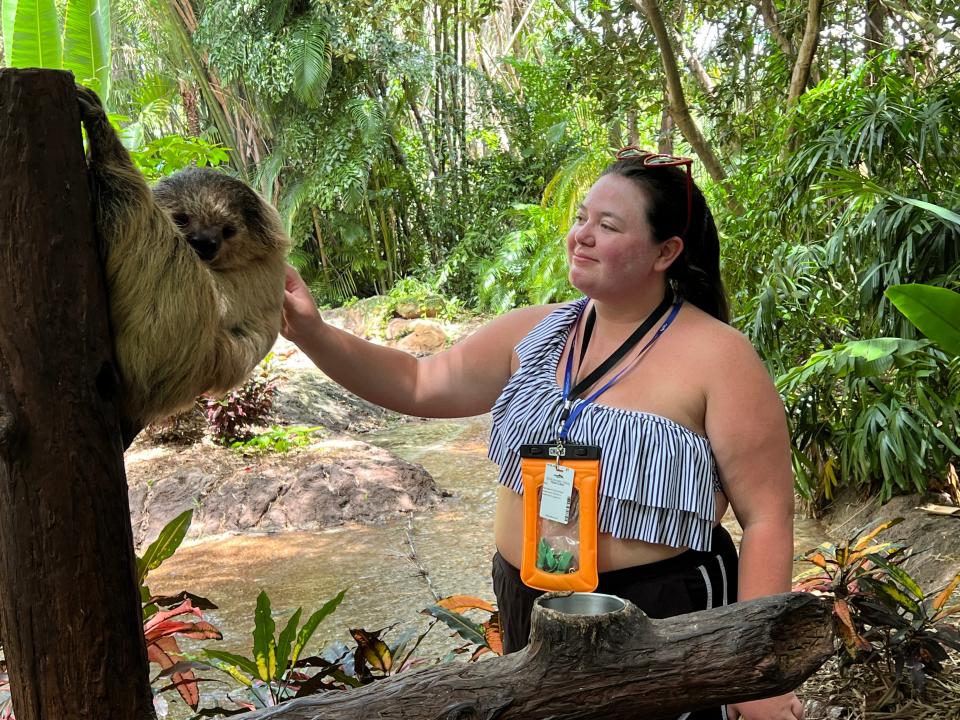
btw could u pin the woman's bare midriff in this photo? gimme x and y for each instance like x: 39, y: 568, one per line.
x: 612, y: 553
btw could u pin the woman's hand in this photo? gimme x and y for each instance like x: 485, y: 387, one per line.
x: 782, y: 707
x: 299, y: 309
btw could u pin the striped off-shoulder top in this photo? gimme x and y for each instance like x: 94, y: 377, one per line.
x: 657, y: 477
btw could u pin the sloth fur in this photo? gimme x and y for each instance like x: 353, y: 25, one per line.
x: 195, y: 273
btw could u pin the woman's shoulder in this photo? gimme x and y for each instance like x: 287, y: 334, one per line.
x: 722, y: 353
x: 705, y: 331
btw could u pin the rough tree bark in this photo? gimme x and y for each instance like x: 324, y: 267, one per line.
x: 69, y: 606
x: 618, y: 665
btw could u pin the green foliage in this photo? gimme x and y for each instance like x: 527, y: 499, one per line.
x: 163, y: 617
x: 170, y: 153
x: 935, y: 311
x: 167, y: 542
x: 270, y: 674
x: 277, y: 439
x: 883, y: 617
x: 86, y: 43
x: 31, y: 33
x: 411, y: 296
x: 853, y: 210
x: 870, y: 413
x: 32, y: 37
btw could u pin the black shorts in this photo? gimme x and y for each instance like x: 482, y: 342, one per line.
x: 693, y: 580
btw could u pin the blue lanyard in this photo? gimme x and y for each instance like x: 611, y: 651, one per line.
x: 571, y: 413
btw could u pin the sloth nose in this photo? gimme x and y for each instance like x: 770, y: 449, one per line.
x: 206, y: 241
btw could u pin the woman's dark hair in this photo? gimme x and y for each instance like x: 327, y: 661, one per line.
x: 696, y: 272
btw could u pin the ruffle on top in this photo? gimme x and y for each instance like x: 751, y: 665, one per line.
x: 657, y: 477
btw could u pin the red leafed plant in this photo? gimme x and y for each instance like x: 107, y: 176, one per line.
x: 161, y: 631
x: 164, y: 617
x: 6, y: 704
x: 885, y: 620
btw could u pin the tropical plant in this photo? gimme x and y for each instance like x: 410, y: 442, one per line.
x: 163, y: 616
x: 161, y: 632
x: 480, y: 637
x: 165, y: 155
x: 6, y: 702
x: 873, y: 414
x: 231, y: 417
x: 935, y: 311
x: 275, y: 673
x: 884, y: 619
x: 32, y: 37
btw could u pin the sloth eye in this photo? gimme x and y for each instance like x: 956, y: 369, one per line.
x: 229, y: 231
x: 181, y: 219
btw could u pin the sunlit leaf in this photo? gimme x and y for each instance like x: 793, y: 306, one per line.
x: 86, y: 44
x: 459, y: 603
x: 166, y: 653
x: 945, y: 594
x: 862, y: 542
x: 285, y: 642
x: 233, y: 664
x: 165, y: 545
x: 460, y: 624
x: 310, y: 626
x: 934, y: 310
x: 36, y: 35
x: 264, y: 643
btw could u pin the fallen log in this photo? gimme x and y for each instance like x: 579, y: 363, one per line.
x: 613, y: 664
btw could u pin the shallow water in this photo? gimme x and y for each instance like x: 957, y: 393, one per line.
x: 384, y: 586
x: 453, y: 544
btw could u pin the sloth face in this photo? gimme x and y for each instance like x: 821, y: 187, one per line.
x: 227, y: 224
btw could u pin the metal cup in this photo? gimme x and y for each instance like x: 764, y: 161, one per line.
x: 583, y: 603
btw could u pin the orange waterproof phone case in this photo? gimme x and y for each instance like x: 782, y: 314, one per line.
x: 560, y: 484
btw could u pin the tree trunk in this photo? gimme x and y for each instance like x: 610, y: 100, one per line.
x: 678, y: 104
x: 69, y: 605
x: 806, y: 53
x: 615, y: 665
x: 876, y: 27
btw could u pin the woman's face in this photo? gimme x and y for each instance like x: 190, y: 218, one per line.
x: 610, y: 248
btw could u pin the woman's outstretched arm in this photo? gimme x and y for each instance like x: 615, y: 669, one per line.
x: 464, y: 380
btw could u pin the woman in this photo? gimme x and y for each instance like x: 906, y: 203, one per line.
x: 690, y: 423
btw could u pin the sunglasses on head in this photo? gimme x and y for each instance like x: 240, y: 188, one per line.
x: 652, y: 159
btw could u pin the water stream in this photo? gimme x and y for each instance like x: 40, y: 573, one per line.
x: 384, y: 586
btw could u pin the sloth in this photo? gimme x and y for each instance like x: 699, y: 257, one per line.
x: 195, y: 275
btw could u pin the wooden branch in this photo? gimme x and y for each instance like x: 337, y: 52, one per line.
x: 694, y: 64
x: 585, y: 32
x: 69, y: 605
x: 678, y: 103
x: 769, y: 13
x: 617, y: 665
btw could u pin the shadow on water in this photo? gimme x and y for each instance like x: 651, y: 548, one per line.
x: 384, y: 586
